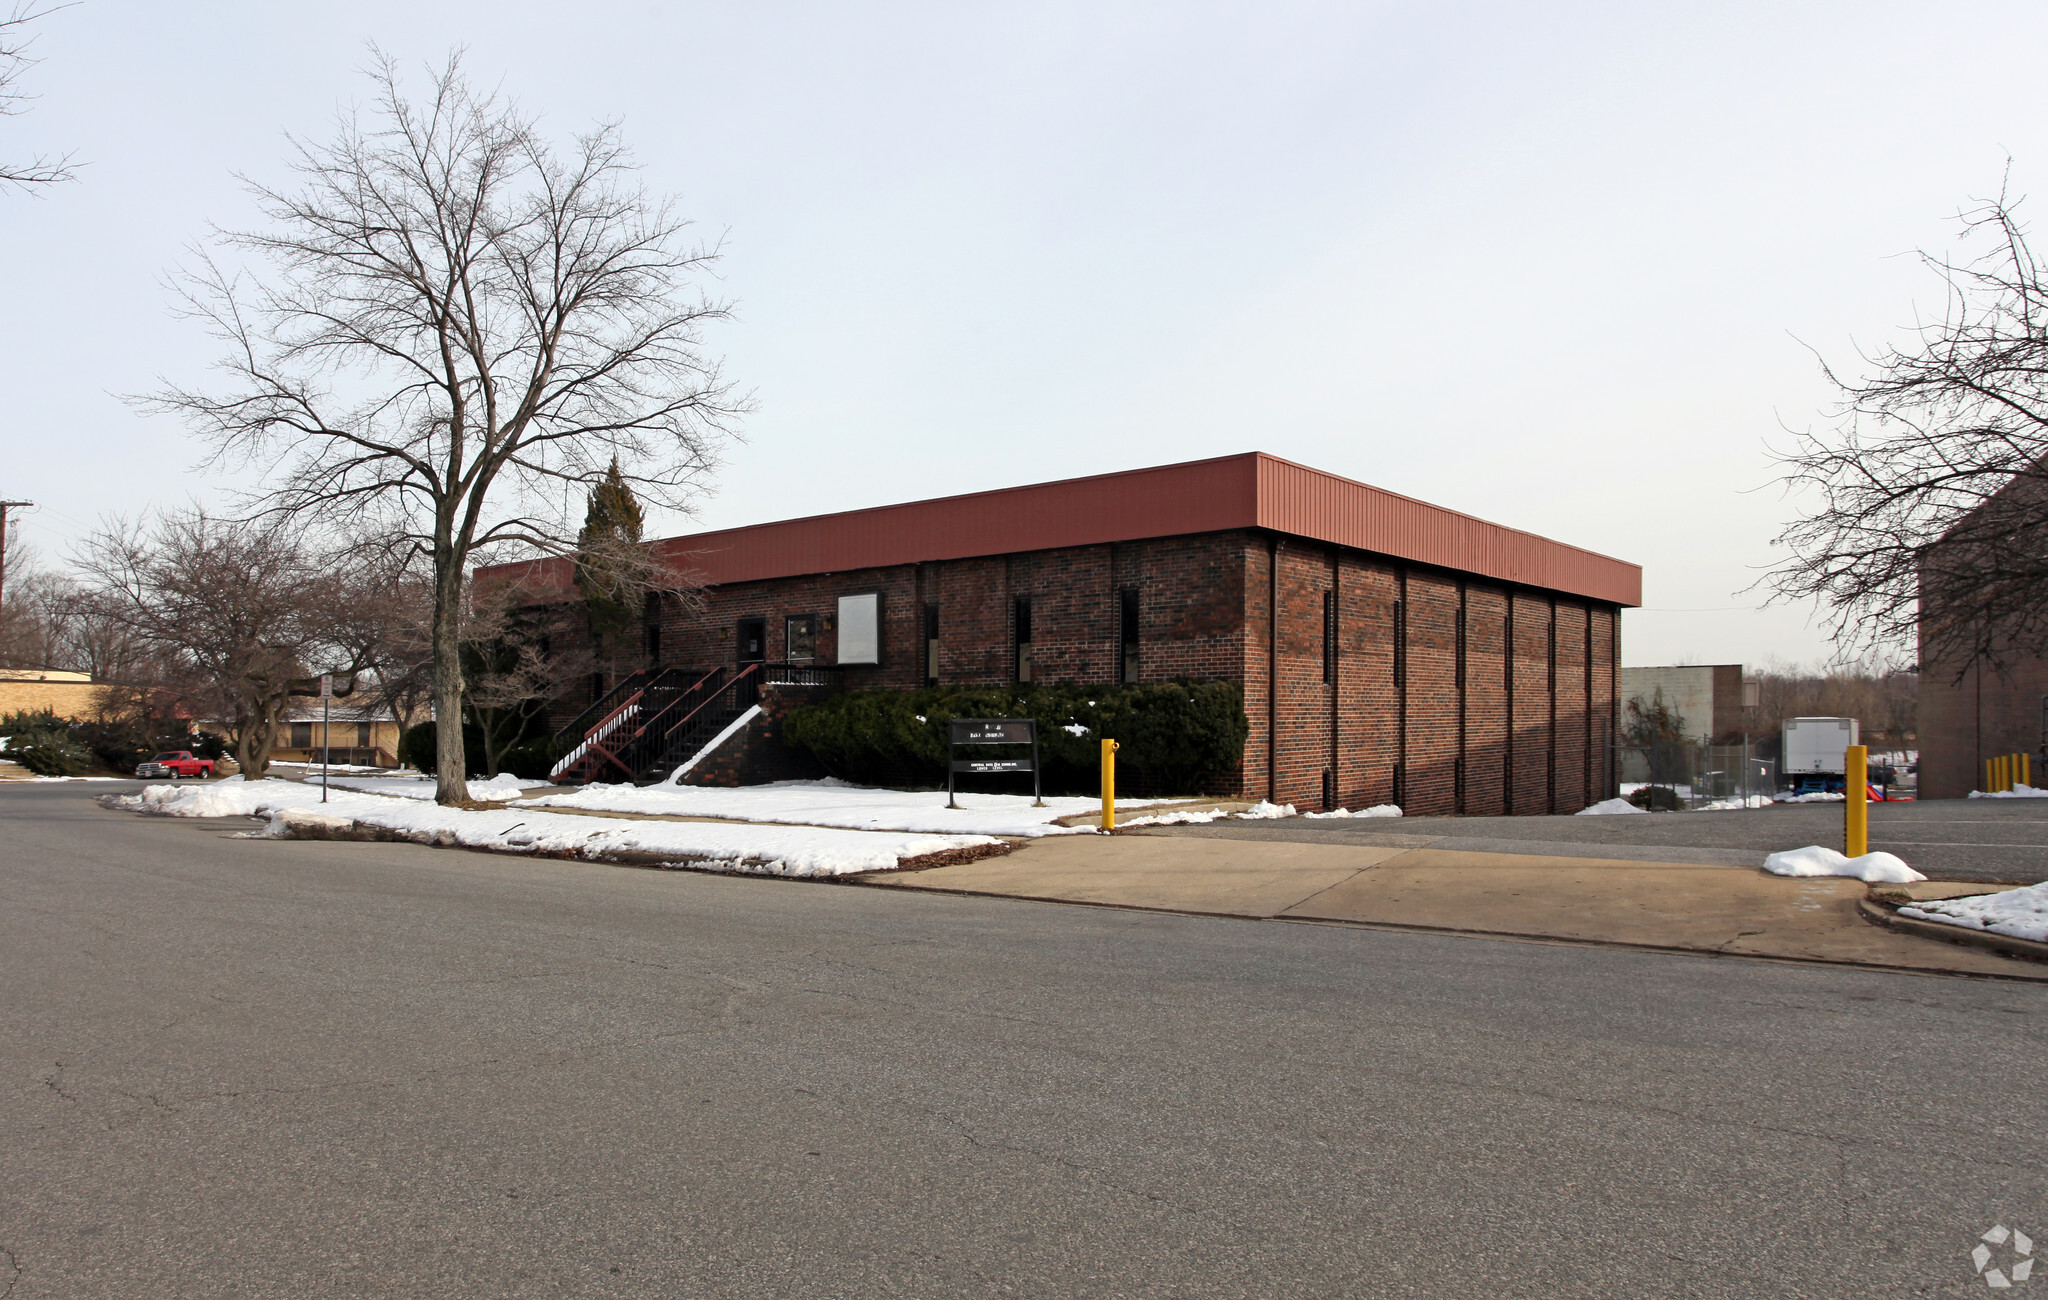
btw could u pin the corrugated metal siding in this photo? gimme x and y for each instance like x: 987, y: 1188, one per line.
x: 1167, y: 501
x: 1252, y: 490
x: 1304, y: 502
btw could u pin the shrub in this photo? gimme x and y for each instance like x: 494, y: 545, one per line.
x: 1173, y: 735
x: 416, y: 749
x: 51, y: 755
x: 1656, y: 798
x: 531, y: 760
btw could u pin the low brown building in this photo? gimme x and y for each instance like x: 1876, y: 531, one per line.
x: 1388, y: 650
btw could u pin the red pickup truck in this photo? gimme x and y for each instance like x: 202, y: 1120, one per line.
x: 176, y: 763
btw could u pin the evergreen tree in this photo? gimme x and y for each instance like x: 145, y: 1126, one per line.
x: 608, y: 561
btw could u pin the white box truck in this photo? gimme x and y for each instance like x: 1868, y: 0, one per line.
x: 1815, y: 752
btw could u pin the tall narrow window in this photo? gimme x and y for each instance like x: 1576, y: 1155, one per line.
x: 1329, y: 636
x: 1023, y: 631
x: 1400, y: 643
x: 362, y: 735
x: 654, y: 645
x: 1127, y: 626
x: 931, y: 645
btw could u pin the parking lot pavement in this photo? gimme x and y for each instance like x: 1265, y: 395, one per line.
x: 2002, y: 840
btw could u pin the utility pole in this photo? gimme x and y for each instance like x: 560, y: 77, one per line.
x: 5, y: 506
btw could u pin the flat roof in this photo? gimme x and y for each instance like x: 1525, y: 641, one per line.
x: 1250, y: 490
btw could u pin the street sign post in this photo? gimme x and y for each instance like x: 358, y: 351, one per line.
x: 326, y: 729
x: 993, y: 731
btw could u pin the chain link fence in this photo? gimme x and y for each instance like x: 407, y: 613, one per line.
x: 1676, y: 775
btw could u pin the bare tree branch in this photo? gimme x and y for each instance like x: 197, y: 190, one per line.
x: 1933, y: 481
x: 14, y: 64
x: 458, y: 318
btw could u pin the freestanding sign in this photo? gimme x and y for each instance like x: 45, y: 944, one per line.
x: 326, y: 729
x: 994, y: 731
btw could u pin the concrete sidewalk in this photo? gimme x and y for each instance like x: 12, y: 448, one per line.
x: 1674, y: 906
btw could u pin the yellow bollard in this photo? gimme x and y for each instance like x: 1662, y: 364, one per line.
x: 1109, y: 785
x: 1857, y: 830
x: 2004, y: 771
x: 2026, y: 768
x: 1989, y: 783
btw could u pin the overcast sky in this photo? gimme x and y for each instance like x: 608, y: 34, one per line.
x: 1555, y: 266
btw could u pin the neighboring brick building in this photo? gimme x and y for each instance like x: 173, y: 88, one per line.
x: 1419, y: 656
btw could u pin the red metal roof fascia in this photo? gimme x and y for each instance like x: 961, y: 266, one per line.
x: 1165, y: 501
x: 1304, y: 502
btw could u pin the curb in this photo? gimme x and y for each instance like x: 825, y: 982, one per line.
x: 867, y: 880
x: 2004, y: 945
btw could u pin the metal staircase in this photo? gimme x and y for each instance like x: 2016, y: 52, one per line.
x: 652, y: 722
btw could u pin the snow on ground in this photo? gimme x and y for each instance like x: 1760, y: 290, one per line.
x: 342, y: 768
x: 1610, y: 808
x: 502, y: 786
x: 831, y: 802
x: 1818, y: 796
x: 763, y: 850
x: 1377, y: 810
x: 1740, y: 801
x: 1259, y: 811
x: 2018, y: 913
x: 2018, y: 791
x: 1817, y: 861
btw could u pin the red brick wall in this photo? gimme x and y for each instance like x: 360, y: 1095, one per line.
x: 1983, y: 715
x: 1204, y: 613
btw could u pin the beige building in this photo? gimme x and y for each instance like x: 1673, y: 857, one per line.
x: 1710, y: 697
x: 75, y: 696
x: 353, y: 737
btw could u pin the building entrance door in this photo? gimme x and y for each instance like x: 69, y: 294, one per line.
x: 753, y: 649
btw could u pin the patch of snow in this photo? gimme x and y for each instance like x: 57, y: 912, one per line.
x: 1377, y: 810
x: 1262, y: 809
x: 1745, y: 801
x: 1189, y: 818
x: 2018, y: 791
x: 717, y: 740
x: 1609, y: 808
x: 502, y: 786
x: 759, y: 850
x: 835, y: 803
x: 2017, y: 913
x: 1881, y: 868
x: 1074, y: 729
x: 1817, y: 796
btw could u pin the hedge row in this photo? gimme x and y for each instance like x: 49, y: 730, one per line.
x: 1172, y: 737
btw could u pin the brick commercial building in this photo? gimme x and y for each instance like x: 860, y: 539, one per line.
x: 1389, y: 651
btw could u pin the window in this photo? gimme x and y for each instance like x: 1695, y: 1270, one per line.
x: 1127, y: 625
x: 302, y: 735
x: 653, y: 644
x: 1329, y: 636
x: 1023, y: 633
x: 931, y: 645
x: 860, y: 629
x: 362, y: 735
x: 800, y: 638
x: 1400, y: 644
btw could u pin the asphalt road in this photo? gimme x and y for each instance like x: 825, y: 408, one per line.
x: 1946, y: 839
x: 241, y: 1067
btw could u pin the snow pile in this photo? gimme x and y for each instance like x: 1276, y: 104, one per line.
x: 1260, y: 811
x: 762, y: 850
x: 1817, y: 861
x: 1746, y: 801
x: 502, y: 786
x: 2016, y: 913
x: 1609, y: 808
x: 1817, y: 796
x: 835, y: 803
x: 1377, y: 810
x: 2018, y: 791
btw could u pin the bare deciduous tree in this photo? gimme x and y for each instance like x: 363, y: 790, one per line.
x: 1933, y: 482
x: 248, y: 609
x: 459, y: 322
x: 14, y: 63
